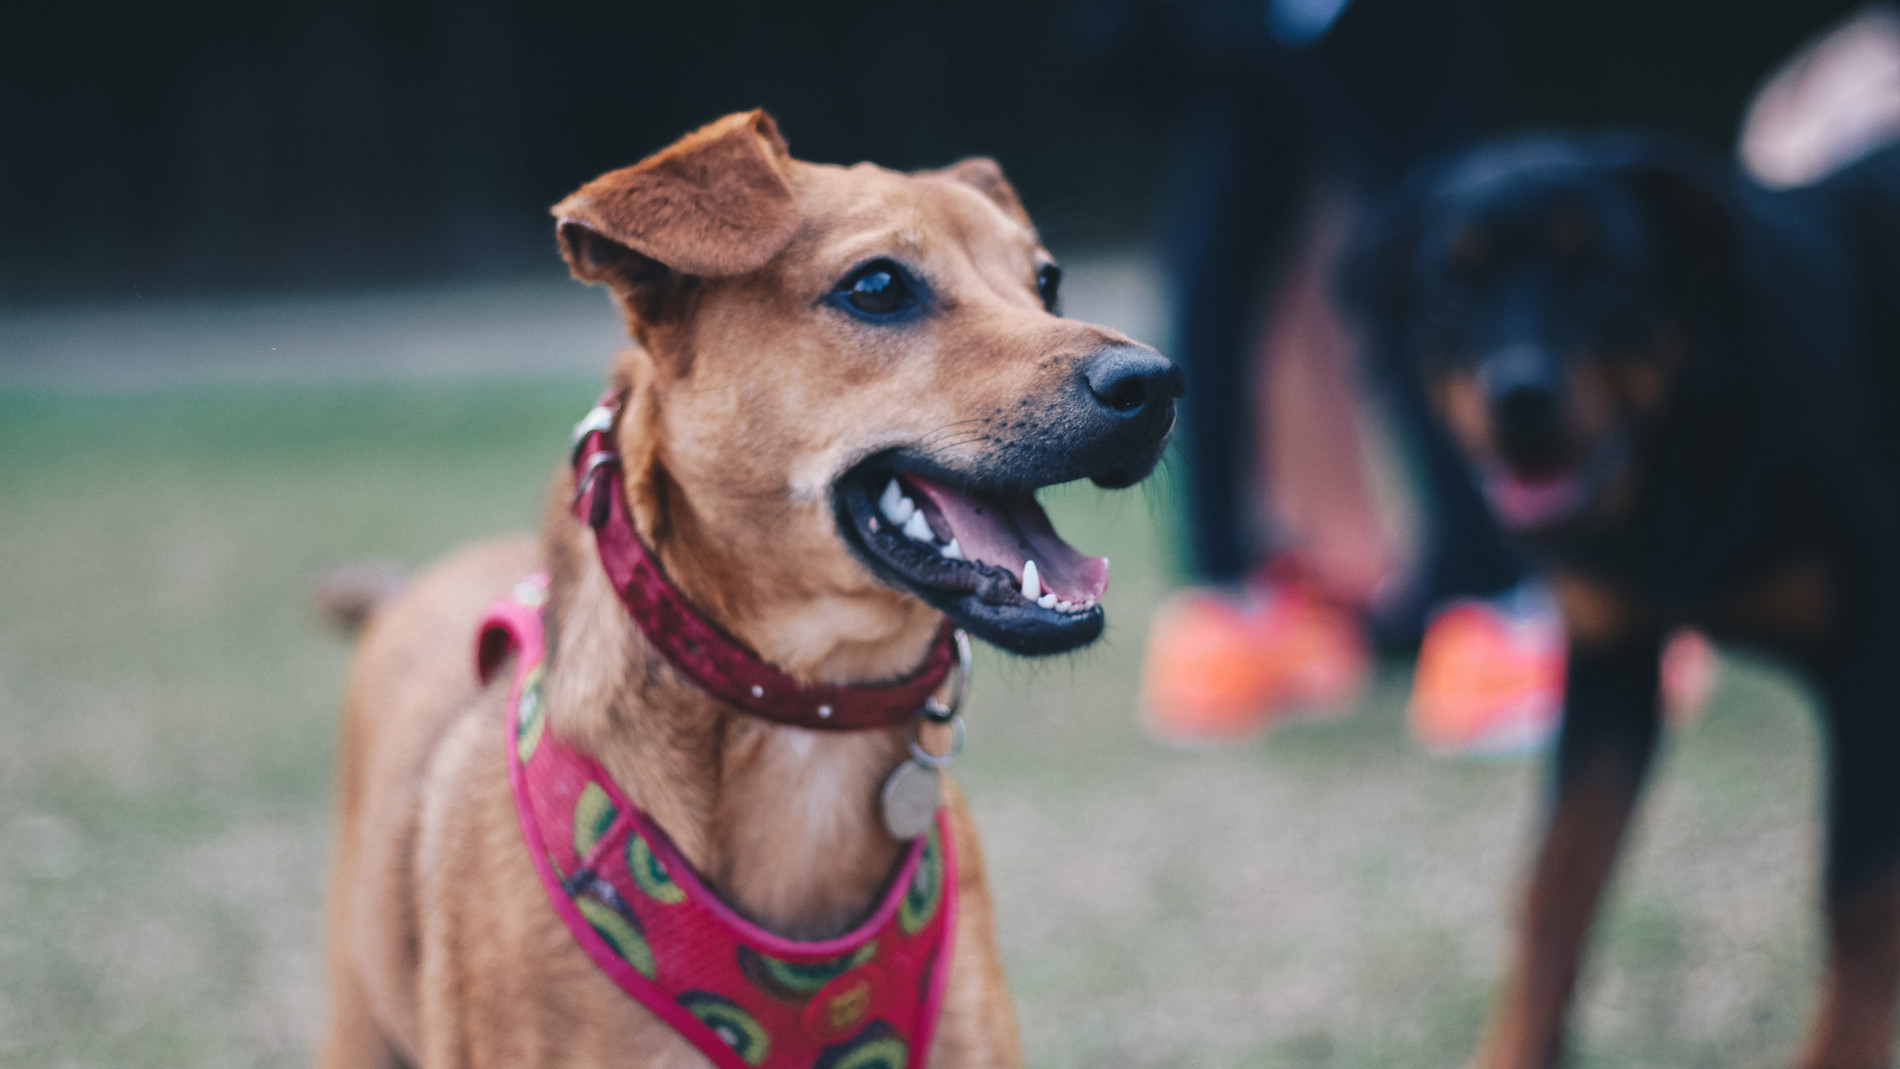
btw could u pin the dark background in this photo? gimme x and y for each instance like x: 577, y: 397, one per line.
x: 217, y: 146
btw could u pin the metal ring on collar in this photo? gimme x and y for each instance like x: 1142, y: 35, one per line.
x: 600, y: 418
x: 585, y: 481
x: 942, y: 712
x: 941, y: 760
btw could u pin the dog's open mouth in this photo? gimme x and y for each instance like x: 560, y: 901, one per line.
x: 1546, y: 497
x: 988, y: 558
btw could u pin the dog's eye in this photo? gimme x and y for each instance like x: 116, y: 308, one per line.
x: 878, y: 289
x: 1048, y: 282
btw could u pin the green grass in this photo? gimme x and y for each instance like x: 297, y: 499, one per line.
x: 1329, y: 897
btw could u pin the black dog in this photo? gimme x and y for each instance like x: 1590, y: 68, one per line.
x: 1678, y: 392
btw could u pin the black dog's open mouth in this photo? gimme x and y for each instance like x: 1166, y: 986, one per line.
x: 988, y: 558
x: 1528, y: 500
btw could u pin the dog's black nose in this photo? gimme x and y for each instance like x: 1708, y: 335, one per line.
x: 1132, y: 381
x: 1527, y: 424
x: 1524, y: 387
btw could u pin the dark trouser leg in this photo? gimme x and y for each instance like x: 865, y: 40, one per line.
x: 1603, y: 753
x: 1237, y: 175
x: 1409, y: 78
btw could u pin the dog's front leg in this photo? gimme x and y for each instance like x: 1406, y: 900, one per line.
x: 1603, y: 751
x: 1853, y: 1025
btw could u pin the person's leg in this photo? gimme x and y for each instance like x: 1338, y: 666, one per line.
x: 1236, y: 177
x: 1323, y: 508
x: 1399, y: 81
x: 1222, y: 657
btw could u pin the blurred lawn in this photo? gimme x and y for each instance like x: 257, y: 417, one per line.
x: 1330, y: 897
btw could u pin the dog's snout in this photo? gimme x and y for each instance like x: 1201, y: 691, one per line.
x: 1132, y: 381
x: 1523, y: 387
x: 1527, y: 420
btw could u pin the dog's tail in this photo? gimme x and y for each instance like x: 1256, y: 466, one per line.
x: 349, y: 594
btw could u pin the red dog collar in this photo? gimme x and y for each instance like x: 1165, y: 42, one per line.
x: 697, y: 646
x: 746, y: 998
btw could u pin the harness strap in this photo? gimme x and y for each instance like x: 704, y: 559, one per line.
x: 746, y: 998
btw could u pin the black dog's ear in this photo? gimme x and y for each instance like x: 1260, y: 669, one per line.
x: 1376, y: 286
x: 1691, y: 201
x: 716, y: 202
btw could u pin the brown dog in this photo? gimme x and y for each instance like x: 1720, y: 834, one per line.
x: 805, y: 335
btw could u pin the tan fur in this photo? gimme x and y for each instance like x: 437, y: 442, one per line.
x: 744, y: 399
x: 1795, y: 607
x: 1595, y: 615
x: 714, y: 203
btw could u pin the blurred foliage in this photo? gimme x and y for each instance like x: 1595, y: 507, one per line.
x: 211, y: 144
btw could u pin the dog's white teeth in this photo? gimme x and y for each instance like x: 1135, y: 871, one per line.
x: 951, y: 551
x: 1032, y: 583
x: 896, y: 507
x: 1047, y: 601
x: 1065, y: 606
x: 917, y: 529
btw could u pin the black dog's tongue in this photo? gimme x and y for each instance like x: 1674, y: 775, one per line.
x: 1523, y: 501
x: 1011, y: 530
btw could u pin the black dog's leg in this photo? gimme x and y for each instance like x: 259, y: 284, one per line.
x: 1603, y: 752
x: 1853, y: 1025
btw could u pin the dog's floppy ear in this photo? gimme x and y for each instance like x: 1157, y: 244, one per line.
x: 716, y: 202
x: 1690, y: 201
x: 987, y: 176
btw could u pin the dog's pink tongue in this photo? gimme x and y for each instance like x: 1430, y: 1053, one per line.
x: 1533, y: 502
x: 1006, y: 531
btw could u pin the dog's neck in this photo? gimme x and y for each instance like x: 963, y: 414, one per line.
x: 781, y: 822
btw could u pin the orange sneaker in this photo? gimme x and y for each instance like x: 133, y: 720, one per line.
x: 1223, y: 666
x: 1490, y: 676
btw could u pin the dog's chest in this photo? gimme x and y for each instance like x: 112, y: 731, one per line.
x: 1793, y: 606
x: 744, y: 997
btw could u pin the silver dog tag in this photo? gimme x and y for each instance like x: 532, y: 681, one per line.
x: 911, y: 797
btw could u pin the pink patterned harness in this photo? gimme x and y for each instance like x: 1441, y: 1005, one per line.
x: 746, y: 998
